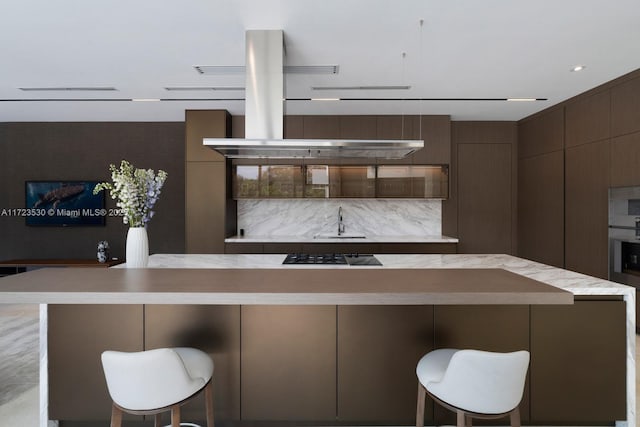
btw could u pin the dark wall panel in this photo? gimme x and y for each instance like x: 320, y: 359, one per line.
x: 625, y: 108
x: 586, y: 208
x: 587, y: 119
x: 481, y: 210
x: 541, y: 208
x: 83, y: 151
x: 484, y: 202
x: 625, y: 160
x: 542, y: 133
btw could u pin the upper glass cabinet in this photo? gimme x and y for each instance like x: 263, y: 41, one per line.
x: 327, y: 181
x: 429, y: 182
x: 267, y: 181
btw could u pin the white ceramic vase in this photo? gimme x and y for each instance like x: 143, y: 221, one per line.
x: 137, y: 247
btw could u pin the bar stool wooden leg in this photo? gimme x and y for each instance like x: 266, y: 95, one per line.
x: 157, y: 420
x: 116, y: 416
x: 461, y: 418
x: 208, y: 395
x: 468, y: 421
x: 422, y: 395
x: 515, y: 417
x: 175, y: 416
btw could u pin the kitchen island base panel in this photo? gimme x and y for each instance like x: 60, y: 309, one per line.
x: 362, y: 355
x: 78, y: 334
x: 496, y: 328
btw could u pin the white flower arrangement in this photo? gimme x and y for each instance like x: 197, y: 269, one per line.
x: 136, y: 190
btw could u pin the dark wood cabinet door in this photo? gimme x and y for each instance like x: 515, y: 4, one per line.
x: 587, y: 209
x: 212, y: 329
x: 378, y: 350
x: 485, y: 198
x: 578, y: 363
x: 288, y: 363
x: 489, y: 328
x: 541, y: 208
x: 77, y: 336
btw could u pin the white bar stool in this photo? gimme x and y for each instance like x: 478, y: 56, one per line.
x: 473, y: 383
x: 155, y: 381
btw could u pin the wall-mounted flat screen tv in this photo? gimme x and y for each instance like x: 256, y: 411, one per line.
x: 64, y: 203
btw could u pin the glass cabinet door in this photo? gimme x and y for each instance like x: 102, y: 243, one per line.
x: 356, y: 181
x: 267, y: 181
x: 403, y: 181
x: 327, y: 181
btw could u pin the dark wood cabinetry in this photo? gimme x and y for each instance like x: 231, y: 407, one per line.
x: 541, y: 208
x: 485, y: 198
x: 578, y: 363
x: 207, y: 204
x: 588, y: 119
x: 353, y: 364
x: 78, y: 334
x: 377, y: 383
x: 489, y: 328
x: 586, y: 208
x: 625, y: 158
x: 625, y: 108
x: 213, y: 329
x: 288, y: 363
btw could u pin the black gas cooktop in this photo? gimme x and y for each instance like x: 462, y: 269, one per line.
x: 331, y: 259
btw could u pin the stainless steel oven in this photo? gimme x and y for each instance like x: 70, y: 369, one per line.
x: 624, y: 263
x: 624, y: 239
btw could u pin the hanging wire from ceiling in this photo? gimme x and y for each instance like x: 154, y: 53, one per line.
x: 420, y: 74
x: 404, y: 56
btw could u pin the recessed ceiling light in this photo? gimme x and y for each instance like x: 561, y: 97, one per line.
x: 522, y: 99
x: 578, y: 68
x: 325, y: 99
x: 145, y: 99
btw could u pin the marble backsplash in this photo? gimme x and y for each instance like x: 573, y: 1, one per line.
x: 382, y: 217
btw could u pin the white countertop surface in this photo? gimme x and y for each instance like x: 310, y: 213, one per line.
x: 367, y: 239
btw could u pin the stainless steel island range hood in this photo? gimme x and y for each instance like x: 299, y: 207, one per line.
x: 264, y: 96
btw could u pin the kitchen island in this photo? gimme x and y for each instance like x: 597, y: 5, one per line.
x: 345, y: 354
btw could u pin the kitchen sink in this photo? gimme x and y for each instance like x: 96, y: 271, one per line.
x: 340, y: 236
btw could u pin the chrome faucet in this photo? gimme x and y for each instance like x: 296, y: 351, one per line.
x: 340, y: 224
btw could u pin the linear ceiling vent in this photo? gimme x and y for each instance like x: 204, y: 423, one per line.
x: 360, y: 87
x: 68, y: 89
x: 264, y: 83
x: 202, y: 88
x: 223, y: 70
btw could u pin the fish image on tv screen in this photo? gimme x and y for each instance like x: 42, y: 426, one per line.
x: 63, y: 203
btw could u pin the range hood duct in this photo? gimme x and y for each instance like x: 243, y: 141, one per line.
x: 264, y: 94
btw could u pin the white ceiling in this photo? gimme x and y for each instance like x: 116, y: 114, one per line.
x: 465, y: 49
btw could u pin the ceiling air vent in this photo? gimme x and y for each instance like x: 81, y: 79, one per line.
x: 223, y: 70
x: 202, y: 88
x: 68, y: 89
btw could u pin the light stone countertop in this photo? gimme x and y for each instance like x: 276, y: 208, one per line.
x: 577, y: 283
x: 368, y: 239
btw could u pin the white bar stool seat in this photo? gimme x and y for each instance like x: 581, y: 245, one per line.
x: 155, y: 381
x: 473, y: 383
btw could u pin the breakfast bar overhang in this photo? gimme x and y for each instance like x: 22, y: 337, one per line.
x: 335, y: 345
x: 293, y: 286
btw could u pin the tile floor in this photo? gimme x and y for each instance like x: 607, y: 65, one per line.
x: 19, y: 365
